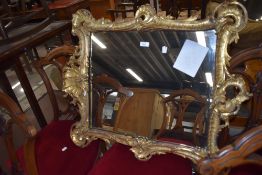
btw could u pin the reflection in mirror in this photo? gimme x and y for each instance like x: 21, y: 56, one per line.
x: 109, y: 98
x: 149, y: 66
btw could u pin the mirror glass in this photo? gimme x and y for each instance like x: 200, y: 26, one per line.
x: 151, y: 65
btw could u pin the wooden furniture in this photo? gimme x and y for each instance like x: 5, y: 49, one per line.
x: 15, y: 26
x: 99, y: 8
x: 58, y: 58
x: 125, y: 7
x: 186, y: 105
x: 49, y: 151
x: 240, y: 156
x: 104, y: 86
x: 174, y: 7
x: 143, y: 112
x: 114, y: 12
x: 247, y: 63
x: 16, y: 117
x: 9, y: 57
x: 18, y: 24
x: 64, y: 9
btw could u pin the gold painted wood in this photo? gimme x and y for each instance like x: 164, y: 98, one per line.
x: 228, y: 19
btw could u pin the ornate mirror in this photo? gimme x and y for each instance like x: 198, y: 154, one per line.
x: 154, y: 83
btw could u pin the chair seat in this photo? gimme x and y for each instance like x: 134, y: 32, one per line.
x: 120, y: 160
x: 57, y: 154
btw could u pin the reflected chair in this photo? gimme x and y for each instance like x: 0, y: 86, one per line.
x: 104, y: 86
x: 49, y: 151
x: 128, y: 164
x: 61, y: 104
x: 183, y: 105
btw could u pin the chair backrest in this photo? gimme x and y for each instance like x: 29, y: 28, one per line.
x: 13, y: 24
x: 180, y: 103
x: 104, y: 86
x: 15, y: 116
x: 240, y: 157
x: 57, y: 57
x: 247, y: 63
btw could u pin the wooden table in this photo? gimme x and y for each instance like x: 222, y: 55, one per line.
x: 9, y: 57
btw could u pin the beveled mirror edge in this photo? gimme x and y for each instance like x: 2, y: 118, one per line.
x: 228, y: 19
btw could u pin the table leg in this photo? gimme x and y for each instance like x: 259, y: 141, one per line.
x: 7, y: 88
x: 29, y: 93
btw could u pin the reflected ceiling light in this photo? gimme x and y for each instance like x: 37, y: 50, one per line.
x: 98, y: 42
x: 201, y: 38
x: 114, y: 94
x: 15, y: 85
x: 210, y: 100
x: 209, y: 78
x: 134, y: 74
x: 165, y: 95
x: 21, y: 90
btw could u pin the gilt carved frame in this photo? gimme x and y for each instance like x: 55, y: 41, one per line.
x: 228, y: 19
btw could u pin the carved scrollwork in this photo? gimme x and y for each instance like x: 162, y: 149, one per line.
x: 231, y: 17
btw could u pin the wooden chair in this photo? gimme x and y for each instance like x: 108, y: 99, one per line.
x: 128, y: 164
x: 58, y: 57
x: 49, y: 151
x: 10, y: 108
x: 104, y: 86
x: 183, y: 102
x: 247, y: 63
x: 242, y: 157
